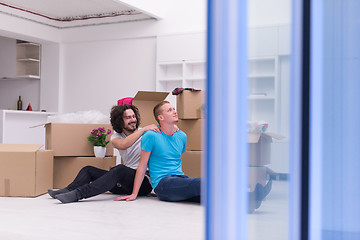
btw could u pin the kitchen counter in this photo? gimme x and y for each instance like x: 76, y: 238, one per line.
x: 23, y: 127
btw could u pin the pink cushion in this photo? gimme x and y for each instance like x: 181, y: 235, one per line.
x: 127, y: 100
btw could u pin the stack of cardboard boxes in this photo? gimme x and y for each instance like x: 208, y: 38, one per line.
x: 259, y: 156
x: 72, y: 151
x: 191, y: 121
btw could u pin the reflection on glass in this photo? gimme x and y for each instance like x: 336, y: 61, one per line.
x: 268, y: 126
x: 334, y: 154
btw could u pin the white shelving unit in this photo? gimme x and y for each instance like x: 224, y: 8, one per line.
x: 180, y: 74
x: 263, y: 91
x: 27, y: 60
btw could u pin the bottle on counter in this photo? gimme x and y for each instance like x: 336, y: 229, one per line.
x: 19, y: 104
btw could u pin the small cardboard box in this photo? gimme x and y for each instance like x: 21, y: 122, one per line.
x: 145, y: 102
x: 189, y: 105
x: 193, y: 130
x: 256, y: 175
x: 70, y: 139
x: 260, y: 148
x: 25, y: 170
x: 191, y: 163
x: 67, y: 168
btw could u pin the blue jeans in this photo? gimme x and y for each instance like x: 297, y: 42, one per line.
x: 178, y: 188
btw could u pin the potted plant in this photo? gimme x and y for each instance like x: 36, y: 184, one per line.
x: 98, y: 139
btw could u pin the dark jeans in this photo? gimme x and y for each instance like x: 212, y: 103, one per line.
x: 92, y: 181
x: 178, y: 188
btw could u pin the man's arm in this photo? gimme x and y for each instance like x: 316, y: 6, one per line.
x: 125, y: 143
x: 139, y: 177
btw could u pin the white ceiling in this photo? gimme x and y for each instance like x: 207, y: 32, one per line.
x: 74, y: 13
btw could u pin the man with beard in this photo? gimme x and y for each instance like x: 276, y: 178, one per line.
x: 92, y: 181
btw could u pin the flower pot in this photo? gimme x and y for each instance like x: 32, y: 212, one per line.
x: 99, y: 151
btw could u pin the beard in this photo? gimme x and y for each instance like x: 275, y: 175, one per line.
x: 130, y: 128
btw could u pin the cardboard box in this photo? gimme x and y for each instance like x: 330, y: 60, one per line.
x: 189, y: 105
x: 70, y: 139
x: 260, y: 148
x: 67, y: 168
x: 25, y: 170
x: 145, y: 102
x: 191, y: 163
x: 193, y: 130
x: 257, y: 175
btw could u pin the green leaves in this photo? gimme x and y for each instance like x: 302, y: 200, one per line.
x: 98, y: 136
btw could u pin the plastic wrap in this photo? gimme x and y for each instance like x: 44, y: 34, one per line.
x: 91, y: 116
x: 257, y: 126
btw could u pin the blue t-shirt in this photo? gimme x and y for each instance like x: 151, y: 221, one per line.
x: 165, y: 156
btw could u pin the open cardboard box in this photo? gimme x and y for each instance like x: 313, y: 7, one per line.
x: 145, y: 102
x: 260, y: 148
x: 70, y: 139
x: 25, y: 170
x: 189, y: 104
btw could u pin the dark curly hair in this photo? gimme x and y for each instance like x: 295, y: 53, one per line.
x: 116, y: 116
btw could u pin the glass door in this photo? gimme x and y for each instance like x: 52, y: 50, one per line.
x: 269, y: 99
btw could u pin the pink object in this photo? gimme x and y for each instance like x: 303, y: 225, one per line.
x: 127, y: 100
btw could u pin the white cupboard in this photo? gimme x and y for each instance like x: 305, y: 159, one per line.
x: 27, y: 60
x: 19, y: 59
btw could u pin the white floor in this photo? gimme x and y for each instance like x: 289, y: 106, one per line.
x: 270, y: 221
x: 146, y: 218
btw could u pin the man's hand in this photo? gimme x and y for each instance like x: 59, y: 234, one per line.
x: 127, y: 198
x: 152, y: 127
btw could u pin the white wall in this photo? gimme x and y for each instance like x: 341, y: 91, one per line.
x: 98, y: 73
x: 269, y: 13
x: 51, y: 90
x: 120, y: 57
x: 87, y: 56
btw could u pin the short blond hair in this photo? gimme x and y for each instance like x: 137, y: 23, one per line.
x: 157, y: 110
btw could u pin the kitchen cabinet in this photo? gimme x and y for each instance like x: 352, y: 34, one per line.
x: 19, y: 59
x: 27, y: 60
x: 180, y: 74
x: 20, y: 73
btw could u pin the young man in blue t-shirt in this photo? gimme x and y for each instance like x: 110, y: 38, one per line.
x: 161, y: 153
